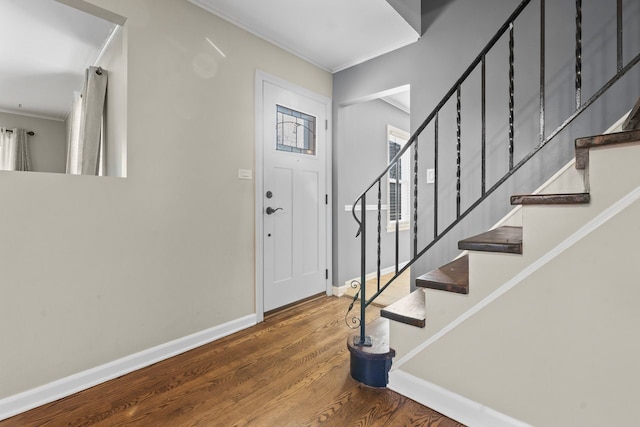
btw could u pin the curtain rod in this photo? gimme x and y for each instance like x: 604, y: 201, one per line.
x: 30, y: 133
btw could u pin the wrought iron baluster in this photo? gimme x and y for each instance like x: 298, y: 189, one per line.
x: 379, y: 228
x: 542, y: 68
x: 398, y: 212
x: 578, y: 53
x: 619, y: 33
x: 415, y: 199
x: 458, y: 148
x: 435, y: 175
x: 511, y: 96
x: 362, y: 339
x: 484, y: 124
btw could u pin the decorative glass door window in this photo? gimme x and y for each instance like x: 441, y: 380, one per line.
x: 295, y: 131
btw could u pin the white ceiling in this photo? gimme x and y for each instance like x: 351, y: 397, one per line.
x: 51, y: 46
x: 332, y: 34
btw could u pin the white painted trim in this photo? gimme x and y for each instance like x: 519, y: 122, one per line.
x: 373, y: 55
x: 262, y: 77
x: 259, y: 203
x: 578, y: 235
x: 373, y: 275
x: 446, y: 402
x: 396, y: 104
x: 617, y: 126
x: 37, y: 116
x: 90, y: 8
x: 114, y: 33
x: 16, y: 404
x: 349, y: 208
x: 329, y: 191
x: 338, y: 291
x: 377, y: 95
x: 391, y: 226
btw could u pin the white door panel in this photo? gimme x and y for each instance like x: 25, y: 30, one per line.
x: 295, y: 234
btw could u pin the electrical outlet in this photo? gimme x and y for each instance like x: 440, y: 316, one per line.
x: 431, y: 176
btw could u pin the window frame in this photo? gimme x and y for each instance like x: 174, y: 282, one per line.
x: 401, y: 137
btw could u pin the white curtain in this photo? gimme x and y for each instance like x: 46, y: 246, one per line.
x: 73, y: 134
x: 86, y: 134
x: 14, y: 151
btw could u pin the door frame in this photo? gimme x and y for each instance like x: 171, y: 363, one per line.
x: 261, y: 78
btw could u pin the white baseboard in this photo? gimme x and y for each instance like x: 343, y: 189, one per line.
x: 338, y: 291
x: 454, y: 406
x: 374, y: 274
x: 16, y: 404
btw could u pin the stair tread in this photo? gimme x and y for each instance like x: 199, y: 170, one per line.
x: 551, y: 199
x: 378, y: 330
x: 409, y: 309
x: 452, y: 277
x: 582, y: 145
x: 502, y: 239
x: 633, y: 121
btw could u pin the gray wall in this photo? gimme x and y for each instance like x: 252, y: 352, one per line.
x: 48, y: 147
x: 361, y: 156
x: 432, y: 65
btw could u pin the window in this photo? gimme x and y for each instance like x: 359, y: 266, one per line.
x: 398, y: 188
x: 295, y: 131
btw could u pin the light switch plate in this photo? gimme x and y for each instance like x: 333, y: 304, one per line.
x: 431, y: 176
x: 245, y: 174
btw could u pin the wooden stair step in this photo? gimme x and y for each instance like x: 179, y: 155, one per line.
x: 611, y: 139
x: 410, y: 309
x: 502, y: 239
x: 551, y: 199
x: 452, y: 277
x: 633, y: 120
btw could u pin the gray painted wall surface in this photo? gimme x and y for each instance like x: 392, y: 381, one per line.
x: 48, y: 147
x: 361, y: 156
x: 433, y: 64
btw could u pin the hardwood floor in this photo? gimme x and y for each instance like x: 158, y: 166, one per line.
x: 291, y: 370
x: 399, y: 288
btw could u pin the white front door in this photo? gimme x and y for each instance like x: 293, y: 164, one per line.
x: 294, y: 189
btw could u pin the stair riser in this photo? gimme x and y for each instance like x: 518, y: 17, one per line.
x: 584, y: 146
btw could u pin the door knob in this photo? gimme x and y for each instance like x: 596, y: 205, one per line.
x: 270, y: 210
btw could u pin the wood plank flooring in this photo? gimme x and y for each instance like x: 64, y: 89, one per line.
x: 400, y: 288
x: 291, y: 370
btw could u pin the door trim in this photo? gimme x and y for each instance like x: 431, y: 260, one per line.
x: 261, y: 78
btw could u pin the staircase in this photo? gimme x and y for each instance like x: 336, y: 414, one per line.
x: 494, y: 260
x: 553, y: 319
x: 454, y: 277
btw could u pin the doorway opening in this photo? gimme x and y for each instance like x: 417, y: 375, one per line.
x: 372, y: 131
x: 293, y: 178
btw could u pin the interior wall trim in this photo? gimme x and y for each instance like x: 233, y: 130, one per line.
x: 22, y: 402
x: 446, y: 402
